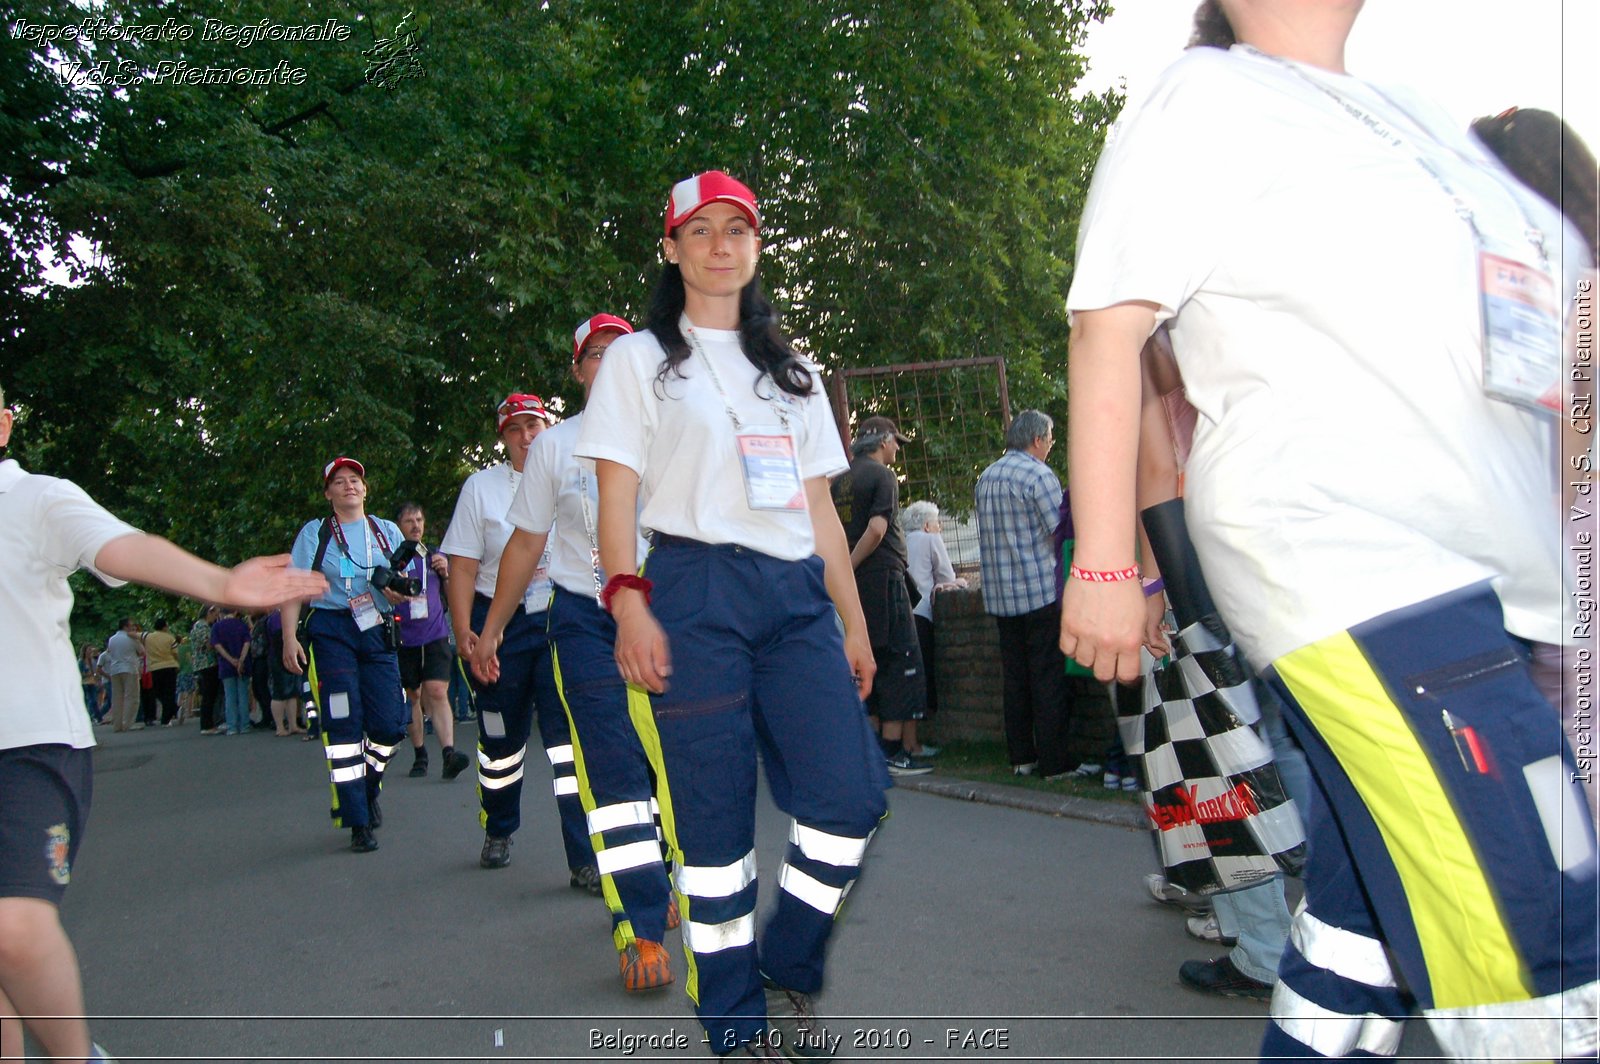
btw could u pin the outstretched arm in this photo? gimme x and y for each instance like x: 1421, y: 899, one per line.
x: 155, y: 562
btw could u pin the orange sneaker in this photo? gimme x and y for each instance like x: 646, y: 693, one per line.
x: 673, y: 919
x: 644, y: 966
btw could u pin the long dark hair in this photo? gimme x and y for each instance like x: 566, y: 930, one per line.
x: 760, y: 339
x: 1548, y: 156
x: 1211, y: 27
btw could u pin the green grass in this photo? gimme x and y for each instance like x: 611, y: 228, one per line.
x: 985, y: 761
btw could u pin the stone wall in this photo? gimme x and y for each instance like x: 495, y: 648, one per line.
x: 967, y: 660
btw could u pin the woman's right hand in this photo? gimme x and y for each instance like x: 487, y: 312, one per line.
x: 294, y: 657
x: 1103, y: 627
x: 641, y: 653
x: 486, y: 656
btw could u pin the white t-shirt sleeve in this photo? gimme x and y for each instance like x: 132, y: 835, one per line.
x: 619, y: 414
x: 464, y: 537
x: 1158, y: 209
x: 821, y: 452
x: 79, y: 528
x: 533, y: 507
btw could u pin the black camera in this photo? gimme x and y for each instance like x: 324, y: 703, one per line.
x: 389, y: 577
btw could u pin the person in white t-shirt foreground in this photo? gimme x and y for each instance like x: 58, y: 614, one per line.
x: 1372, y: 493
x: 555, y: 505
x: 46, y: 779
x: 714, y: 423
x: 526, y: 687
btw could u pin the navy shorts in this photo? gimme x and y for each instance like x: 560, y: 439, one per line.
x: 430, y: 661
x: 45, y: 792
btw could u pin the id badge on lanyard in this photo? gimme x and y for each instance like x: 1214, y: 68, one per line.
x: 1521, y: 333
x: 771, y: 469
x: 365, y: 611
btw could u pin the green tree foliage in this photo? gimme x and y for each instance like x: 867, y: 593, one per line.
x: 269, y: 275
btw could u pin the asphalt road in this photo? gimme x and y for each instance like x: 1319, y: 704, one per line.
x: 219, y: 917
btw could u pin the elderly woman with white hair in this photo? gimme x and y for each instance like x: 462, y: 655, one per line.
x: 928, y: 566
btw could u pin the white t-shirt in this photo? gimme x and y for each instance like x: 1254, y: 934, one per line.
x: 1346, y: 461
x: 551, y: 497
x: 678, y: 437
x: 479, y: 530
x: 53, y: 529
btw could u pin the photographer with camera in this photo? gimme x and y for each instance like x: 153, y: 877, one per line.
x: 354, y: 670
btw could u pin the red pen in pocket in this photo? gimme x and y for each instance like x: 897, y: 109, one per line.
x: 1468, y: 748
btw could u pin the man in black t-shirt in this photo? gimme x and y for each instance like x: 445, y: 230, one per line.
x: 868, y: 500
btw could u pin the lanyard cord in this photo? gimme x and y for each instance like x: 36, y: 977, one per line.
x: 699, y: 349
x: 1533, y: 234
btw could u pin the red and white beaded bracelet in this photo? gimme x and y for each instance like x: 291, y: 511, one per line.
x: 1108, y: 576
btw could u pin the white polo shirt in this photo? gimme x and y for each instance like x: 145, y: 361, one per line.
x: 551, y: 499
x: 479, y: 530
x: 677, y: 435
x: 53, y: 529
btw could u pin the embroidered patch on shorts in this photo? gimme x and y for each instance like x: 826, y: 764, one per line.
x: 58, y: 844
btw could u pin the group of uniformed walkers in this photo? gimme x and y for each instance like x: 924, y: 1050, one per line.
x: 659, y: 665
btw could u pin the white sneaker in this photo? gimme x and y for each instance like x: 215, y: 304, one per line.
x: 1024, y: 770
x: 1130, y: 783
x: 1171, y: 894
x: 1206, y: 929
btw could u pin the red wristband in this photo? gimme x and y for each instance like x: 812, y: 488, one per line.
x: 620, y: 581
x: 1108, y: 576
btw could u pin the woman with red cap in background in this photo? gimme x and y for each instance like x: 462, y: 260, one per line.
x: 555, y: 504
x: 355, y: 674
x: 505, y: 710
x: 714, y: 423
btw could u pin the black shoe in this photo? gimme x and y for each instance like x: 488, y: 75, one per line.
x: 1219, y: 976
x: 455, y: 763
x: 419, y: 768
x: 496, y: 851
x: 798, y: 1032
x: 362, y: 840
x: 585, y: 877
x: 374, y: 814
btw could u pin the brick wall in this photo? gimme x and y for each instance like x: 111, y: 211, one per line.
x: 967, y: 660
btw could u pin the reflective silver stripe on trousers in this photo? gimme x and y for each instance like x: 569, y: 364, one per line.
x: 348, y: 773
x: 1553, y: 1027
x: 621, y: 815
x: 503, y: 763
x: 559, y: 755
x: 1332, y: 1034
x: 616, y: 859
x: 564, y: 785
x: 712, y: 938
x: 714, y: 881
x: 334, y: 751
x: 1344, y: 953
x: 386, y: 752
x: 842, y: 851
x: 495, y: 783
x: 809, y: 889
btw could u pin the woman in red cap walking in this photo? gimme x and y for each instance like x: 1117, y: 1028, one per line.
x: 355, y: 674
x: 714, y: 423
x: 555, y: 504
x: 506, y: 709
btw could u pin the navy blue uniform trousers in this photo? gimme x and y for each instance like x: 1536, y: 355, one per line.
x: 355, y: 679
x: 506, y: 711
x: 758, y: 667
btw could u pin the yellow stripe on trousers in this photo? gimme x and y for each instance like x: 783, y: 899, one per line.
x: 622, y: 935
x: 322, y: 725
x: 1466, y: 945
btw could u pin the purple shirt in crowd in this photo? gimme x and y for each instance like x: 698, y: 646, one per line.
x: 233, y: 635
x: 433, y: 627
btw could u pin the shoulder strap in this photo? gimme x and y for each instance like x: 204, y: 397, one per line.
x: 324, y: 534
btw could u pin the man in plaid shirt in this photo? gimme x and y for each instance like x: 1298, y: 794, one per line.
x: 1018, y: 500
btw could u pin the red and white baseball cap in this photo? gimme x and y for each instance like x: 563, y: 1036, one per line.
x: 339, y: 463
x: 598, y: 323
x: 713, y: 186
x: 516, y: 404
